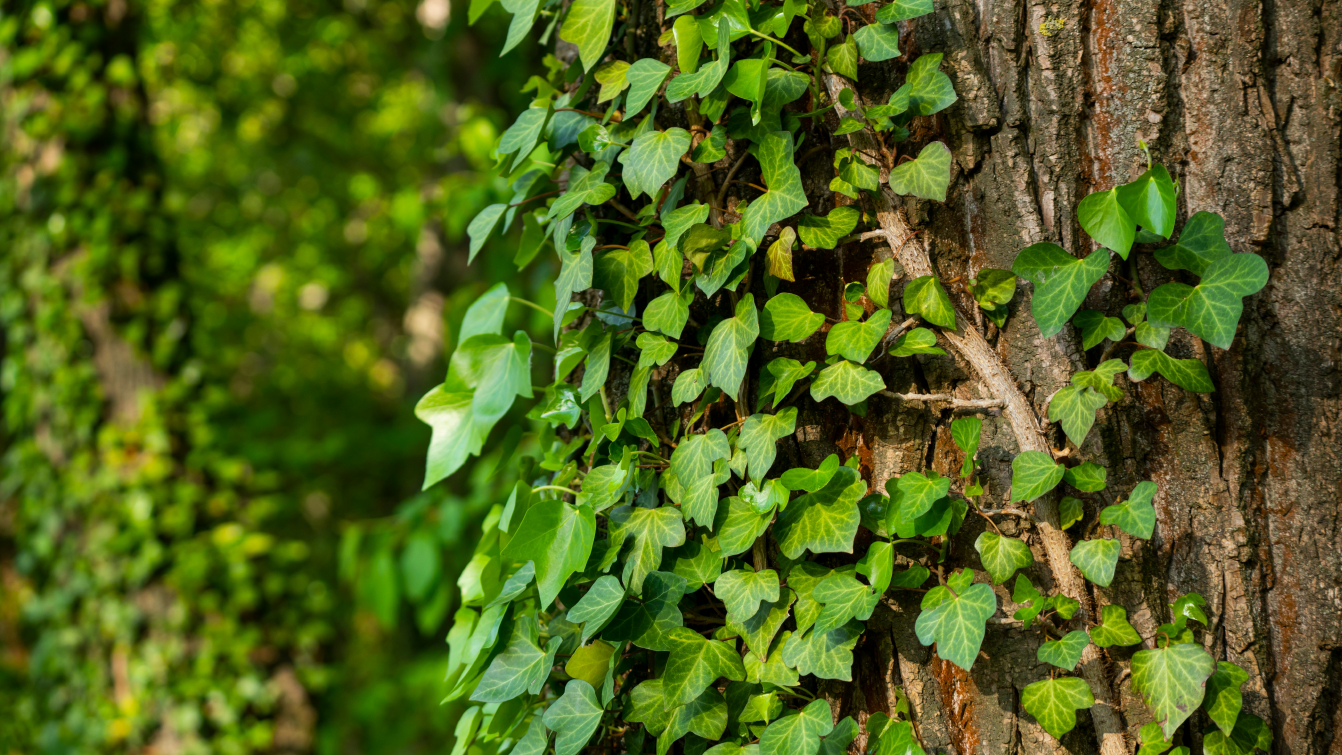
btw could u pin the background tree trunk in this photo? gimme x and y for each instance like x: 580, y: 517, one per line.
x: 1240, y: 101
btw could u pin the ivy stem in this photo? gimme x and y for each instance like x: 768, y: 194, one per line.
x: 561, y: 488
x: 543, y: 347
x: 771, y: 39
x: 533, y: 305
x: 1136, y: 278
x: 990, y: 521
x: 538, y: 196
x: 605, y: 403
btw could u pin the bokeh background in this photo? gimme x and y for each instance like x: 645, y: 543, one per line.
x: 232, y: 256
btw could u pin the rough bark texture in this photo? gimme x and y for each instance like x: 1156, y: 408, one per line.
x: 1240, y: 100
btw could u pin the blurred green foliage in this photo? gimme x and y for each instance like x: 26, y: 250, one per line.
x: 233, y: 253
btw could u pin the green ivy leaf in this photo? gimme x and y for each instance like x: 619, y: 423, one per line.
x: 787, y: 318
x: 645, y: 77
x: 705, y: 716
x: 965, y: 433
x: 1172, y: 682
x: 855, y: 341
x: 597, y: 607
x: 1070, y: 511
x: 648, y: 624
x: 1064, y: 653
x: 1211, y: 310
x: 1002, y: 556
x: 611, y: 77
x: 956, y: 624
x: 669, y: 312
x: 812, y: 480
x: 521, y: 137
x: 742, y: 591
x: 927, y: 176
x: 689, y: 384
x: 455, y: 437
x: 558, y: 537
x: 694, y: 664
x: 652, y: 160
x: 993, y: 289
x: 1089, y: 477
x: 842, y: 58
x: 482, y: 225
x: 916, y: 341
x: 924, y: 296
x: 1136, y: 516
x: 930, y: 90
x: 759, y: 439
x: 1189, y: 374
x: 1250, y: 733
x: 588, y: 25
x: 826, y: 656
x: 799, y: 734
x: 1074, y: 408
x: 590, y: 663
x: 778, y: 257
x: 1096, y: 559
x: 903, y: 10
x: 1095, y: 327
x: 1201, y: 244
x: 618, y: 271
x: 879, y: 278
x: 878, y: 42
x: 697, y: 563
x: 781, y: 175
x: 585, y: 187
x: 574, y: 716
x: 824, y: 521
x: 918, y: 491
x: 522, y: 667
x: 1151, y: 200
x: 1033, y: 473
x: 1107, y: 222
x: 729, y: 347
x: 1224, y: 700
x: 785, y: 373
x: 738, y: 525
x: 1060, y: 281
x: 758, y: 630
x: 1054, y: 703
x: 598, y: 367
x: 1114, y: 629
x: 649, y: 531
x: 847, y: 382
x: 844, y: 598
x: 824, y: 232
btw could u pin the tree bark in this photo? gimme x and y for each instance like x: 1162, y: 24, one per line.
x: 1240, y: 101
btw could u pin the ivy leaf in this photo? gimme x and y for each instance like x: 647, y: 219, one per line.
x: 729, y: 346
x: 778, y: 257
x: 966, y: 433
x: 611, y: 77
x: 799, y: 734
x: 652, y: 160
x: 1070, y: 512
x: 824, y: 521
x: 826, y: 656
x: 647, y: 624
x: 1064, y: 653
x: 1201, y: 244
x: 598, y: 367
x: 1033, y: 473
x: 1002, y: 556
x: 1224, y: 700
x: 1150, y: 335
x: 738, y: 525
x: 1026, y: 595
x: 1074, y: 408
x: 1189, y: 374
x: 918, y: 491
x: 694, y: 664
x: 1054, y: 703
x: 1060, y: 281
x: 844, y: 599
x: 759, y: 439
x: 1095, y: 327
x: 924, y: 296
x: 689, y: 384
x: 645, y: 78
x: 879, y: 278
x: 588, y: 25
x: 705, y: 716
x: 842, y: 58
x: 812, y: 480
x: 645, y: 707
x: 929, y: 174
x: 558, y: 537
x: 956, y: 624
x: 1136, y: 516
x: 618, y: 271
x: 903, y: 10
x: 482, y: 225
x: 856, y: 340
x: 1250, y: 733
x: 574, y: 716
x: 993, y: 289
x: 930, y: 90
x: 878, y: 42
x: 1089, y: 477
x: 758, y: 630
x: 781, y: 175
x: 847, y: 382
x: 916, y: 341
x: 1107, y: 222
x: 455, y: 437
x: 1096, y: 559
x: 787, y: 318
x: 1114, y: 629
x: 521, y: 137
x: 697, y: 563
x: 669, y: 312
x: 596, y: 608
x: 742, y: 591
x: 585, y: 187
x: 651, y: 531
x: 692, y: 463
x: 1150, y: 200
x: 522, y: 667
x: 824, y: 232
x: 1211, y: 310
x: 590, y: 663
x: 1172, y: 682
x: 713, y: 148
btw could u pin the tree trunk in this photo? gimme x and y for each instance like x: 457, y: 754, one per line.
x: 1240, y: 101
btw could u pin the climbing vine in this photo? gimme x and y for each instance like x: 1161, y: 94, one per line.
x: 652, y: 573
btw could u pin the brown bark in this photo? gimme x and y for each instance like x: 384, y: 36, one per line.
x: 1240, y: 101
